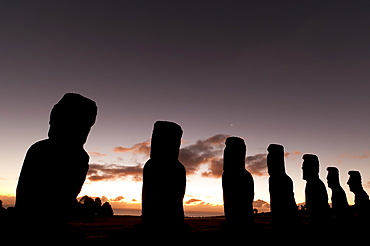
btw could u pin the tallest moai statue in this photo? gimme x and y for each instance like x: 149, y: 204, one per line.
x: 282, y: 202
x: 56, y: 168
x: 164, y: 176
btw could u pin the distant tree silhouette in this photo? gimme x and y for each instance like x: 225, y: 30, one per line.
x: 57, y: 165
x: 106, y: 210
x: 2, y: 209
x: 98, y: 201
x: 90, y: 208
x: 284, y: 209
x: 238, y: 186
x: 164, y: 175
x: 316, y: 195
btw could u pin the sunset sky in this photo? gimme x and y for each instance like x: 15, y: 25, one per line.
x: 289, y: 72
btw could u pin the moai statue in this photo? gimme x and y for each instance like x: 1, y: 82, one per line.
x: 338, y: 197
x: 362, y: 203
x: 55, y: 168
x: 316, y: 195
x: 164, y: 176
x: 238, y: 186
x: 282, y: 202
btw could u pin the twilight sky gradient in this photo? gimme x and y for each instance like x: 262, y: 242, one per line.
x: 289, y: 72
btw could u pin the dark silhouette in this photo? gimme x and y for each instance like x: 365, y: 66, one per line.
x: 106, y: 210
x: 362, y: 203
x: 90, y: 208
x: 2, y: 209
x: 164, y: 177
x: 339, y: 201
x: 316, y: 195
x: 56, y: 168
x: 284, y: 209
x: 237, y: 185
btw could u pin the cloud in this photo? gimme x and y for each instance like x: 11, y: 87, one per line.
x: 292, y: 155
x: 206, y: 151
x: 215, y: 168
x: 193, y: 200
x: 139, y: 148
x: 96, y: 154
x: 257, y: 164
x: 261, y: 205
x: 106, y: 172
x: 355, y: 157
x: 117, y: 199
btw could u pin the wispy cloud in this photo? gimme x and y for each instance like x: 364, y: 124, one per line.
x: 117, y: 199
x: 257, y: 164
x: 139, y: 148
x: 96, y: 154
x: 293, y: 155
x: 355, y: 157
x: 107, y: 172
x: 192, y: 201
x: 204, y: 152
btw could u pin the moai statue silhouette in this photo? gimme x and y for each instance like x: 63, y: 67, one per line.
x: 282, y: 202
x: 316, y: 194
x: 238, y: 186
x: 56, y: 168
x: 164, y: 176
x: 338, y: 196
x: 362, y: 203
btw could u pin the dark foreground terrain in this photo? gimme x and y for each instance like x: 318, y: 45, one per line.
x: 127, y: 228
x: 198, y: 231
x: 209, y: 230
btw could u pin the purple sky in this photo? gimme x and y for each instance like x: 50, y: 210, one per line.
x: 289, y: 72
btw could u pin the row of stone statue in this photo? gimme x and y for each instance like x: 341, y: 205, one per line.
x: 163, y: 173
x: 59, y: 165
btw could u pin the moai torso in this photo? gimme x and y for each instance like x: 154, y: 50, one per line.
x: 237, y: 184
x: 282, y: 201
x: 362, y: 203
x: 56, y: 168
x: 338, y: 196
x: 164, y: 177
x: 315, y: 191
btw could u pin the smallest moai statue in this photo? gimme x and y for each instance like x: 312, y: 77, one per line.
x: 238, y: 186
x: 362, y: 203
x: 338, y: 196
x: 164, y: 175
x: 316, y: 195
x: 284, y: 209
